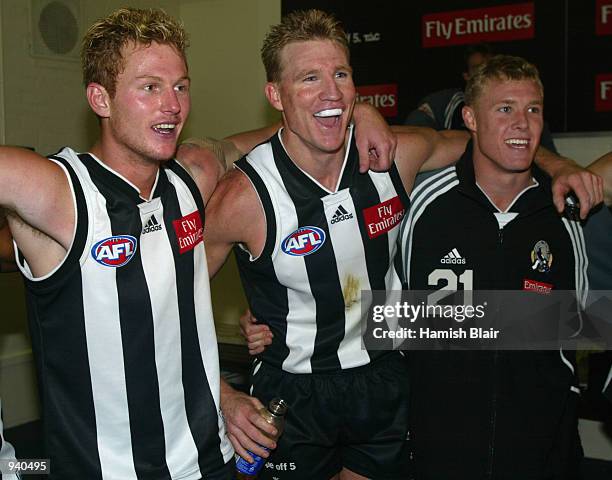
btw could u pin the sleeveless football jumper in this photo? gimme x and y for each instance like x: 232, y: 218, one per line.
x: 123, y: 333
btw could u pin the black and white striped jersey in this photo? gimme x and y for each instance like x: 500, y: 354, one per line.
x: 322, y: 249
x: 123, y: 333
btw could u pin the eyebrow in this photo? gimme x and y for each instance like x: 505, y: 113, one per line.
x: 159, y: 79
x: 309, y: 71
x: 512, y: 101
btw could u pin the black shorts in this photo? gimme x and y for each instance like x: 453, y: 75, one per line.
x: 356, y: 418
x: 227, y: 472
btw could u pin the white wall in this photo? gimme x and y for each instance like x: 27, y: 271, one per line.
x: 584, y: 147
x: 228, y: 80
x: 224, y: 64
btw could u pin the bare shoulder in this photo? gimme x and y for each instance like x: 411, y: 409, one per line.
x: 424, y: 149
x: 233, y: 215
x: 40, y: 207
x: 38, y: 191
x: 204, y: 165
x: 234, y: 194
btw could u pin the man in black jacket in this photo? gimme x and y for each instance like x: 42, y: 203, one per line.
x: 494, y: 414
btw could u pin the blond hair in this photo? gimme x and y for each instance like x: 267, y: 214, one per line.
x: 500, y: 67
x: 299, y: 26
x: 101, y: 56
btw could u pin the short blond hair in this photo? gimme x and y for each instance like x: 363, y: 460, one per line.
x: 299, y: 26
x: 101, y: 56
x: 500, y: 67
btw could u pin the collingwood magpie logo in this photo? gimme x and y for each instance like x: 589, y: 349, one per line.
x: 152, y: 225
x: 341, y: 215
x: 541, y: 257
x: 453, y: 258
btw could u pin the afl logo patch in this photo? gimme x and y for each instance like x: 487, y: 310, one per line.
x: 303, y: 241
x: 541, y: 257
x: 114, y: 251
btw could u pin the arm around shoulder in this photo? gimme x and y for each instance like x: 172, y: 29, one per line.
x: 233, y: 215
x: 247, y: 141
x: 569, y: 177
x: 424, y: 149
x: 207, y: 159
x: 603, y: 167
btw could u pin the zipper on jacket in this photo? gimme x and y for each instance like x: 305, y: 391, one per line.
x: 493, y: 423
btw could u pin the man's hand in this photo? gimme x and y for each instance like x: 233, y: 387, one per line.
x: 256, y: 335
x: 587, y: 186
x: 246, y: 428
x: 376, y: 142
x: 567, y: 176
x: 603, y: 167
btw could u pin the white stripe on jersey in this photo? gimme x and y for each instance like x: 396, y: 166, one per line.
x: 393, y: 283
x: 353, y: 275
x: 380, y: 180
x: 424, y: 194
x: 301, y: 336
x: 449, y: 111
x: 157, y: 263
x: 203, y: 308
x: 608, y: 381
x: 581, y: 260
x: 104, y: 347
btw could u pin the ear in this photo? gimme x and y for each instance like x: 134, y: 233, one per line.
x: 273, y: 96
x: 469, y: 118
x: 99, y: 100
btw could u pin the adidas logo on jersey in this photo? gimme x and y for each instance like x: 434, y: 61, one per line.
x: 453, y: 257
x: 151, y: 226
x: 341, y: 215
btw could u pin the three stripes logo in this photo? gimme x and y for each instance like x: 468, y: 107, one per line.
x: 152, y: 225
x: 340, y: 215
x: 453, y: 258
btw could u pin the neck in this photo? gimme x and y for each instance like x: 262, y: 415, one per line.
x: 503, y: 191
x: 324, y: 167
x: 138, y: 171
x: 501, y: 187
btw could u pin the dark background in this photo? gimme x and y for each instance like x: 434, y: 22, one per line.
x: 565, y: 48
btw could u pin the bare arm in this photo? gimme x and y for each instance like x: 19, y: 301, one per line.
x: 423, y: 149
x: 247, y: 141
x: 36, y: 190
x: 375, y: 140
x: 603, y: 167
x: 569, y: 177
x: 233, y: 215
x: 207, y: 159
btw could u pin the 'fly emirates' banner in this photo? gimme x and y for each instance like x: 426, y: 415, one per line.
x: 494, y: 24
